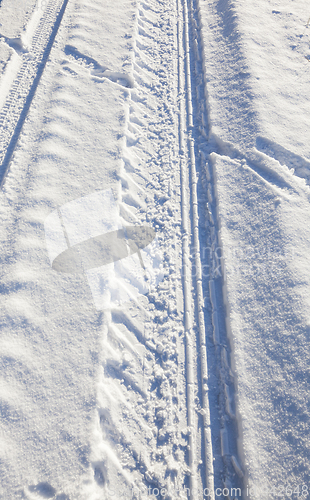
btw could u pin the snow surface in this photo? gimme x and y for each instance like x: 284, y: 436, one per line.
x: 190, y: 118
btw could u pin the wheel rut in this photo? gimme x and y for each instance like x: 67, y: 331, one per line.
x: 32, y: 63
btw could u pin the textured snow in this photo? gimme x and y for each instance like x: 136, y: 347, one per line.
x: 93, y: 373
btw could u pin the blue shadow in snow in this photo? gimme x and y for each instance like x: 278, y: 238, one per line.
x: 284, y: 156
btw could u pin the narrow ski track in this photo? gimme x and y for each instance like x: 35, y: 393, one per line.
x: 192, y: 272
x: 215, y: 468
x: 17, y: 104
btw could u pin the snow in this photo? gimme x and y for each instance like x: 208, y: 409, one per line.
x: 182, y: 369
x: 263, y: 216
x: 268, y: 324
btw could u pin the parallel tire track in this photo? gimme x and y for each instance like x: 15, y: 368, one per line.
x: 21, y: 94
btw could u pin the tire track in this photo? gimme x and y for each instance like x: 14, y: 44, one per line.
x: 147, y: 167
x: 21, y: 94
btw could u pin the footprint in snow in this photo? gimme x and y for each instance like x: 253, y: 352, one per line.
x: 120, y: 78
x: 15, y: 44
x: 45, y: 490
x: 97, y: 70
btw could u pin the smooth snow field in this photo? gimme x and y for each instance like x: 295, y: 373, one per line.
x: 155, y: 249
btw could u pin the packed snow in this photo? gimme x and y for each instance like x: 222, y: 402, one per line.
x: 155, y: 231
